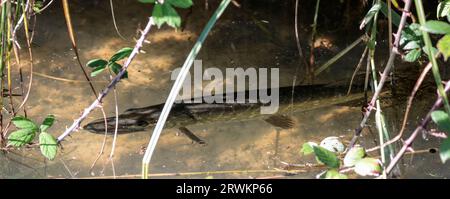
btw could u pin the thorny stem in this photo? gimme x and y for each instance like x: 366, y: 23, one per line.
x: 385, y: 74
x: 96, y: 103
x: 418, y: 130
x: 408, y: 107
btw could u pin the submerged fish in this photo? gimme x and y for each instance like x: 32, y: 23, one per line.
x: 306, y: 97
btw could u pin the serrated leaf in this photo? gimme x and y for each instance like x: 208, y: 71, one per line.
x: 21, y: 137
x: 47, y: 123
x: 443, y: 9
x: 326, y: 157
x: 368, y: 167
x: 97, y: 71
x: 158, y: 16
x: 24, y: 123
x: 333, y: 144
x: 96, y: 63
x: 444, y: 150
x: 171, y: 16
x: 413, y: 55
x: 442, y: 120
x: 334, y: 174
x: 412, y: 45
x: 48, y: 145
x: 369, y: 16
x: 115, y: 67
x: 122, y: 53
x: 180, y: 3
x: 307, y: 148
x: 444, y: 46
x: 147, y: 1
x: 436, y: 27
x: 353, y: 155
x: 411, y: 33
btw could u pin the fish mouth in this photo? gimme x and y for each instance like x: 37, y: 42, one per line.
x: 124, y: 126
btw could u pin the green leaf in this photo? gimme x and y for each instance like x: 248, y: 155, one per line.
x: 327, y: 157
x: 180, y: 3
x: 115, y: 67
x: 158, y: 16
x: 434, y: 50
x: 443, y: 9
x: 333, y: 144
x: 442, y: 120
x: 171, y: 16
x: 436, y: 27
x: 307, y: 148
x: 21, y: 137
x: 411, y: 33
x: 147, y: 1
x: 412, y: 45
x: 96, y: 63
x: 47, y: 123
x: 444, y: 150
x: 97, y: 71
x: 413, y: 55
x: 353, y: 155
x: 395, y: 16
x: 368, y: 167
x: 369, y: 16
x: 122, y: 53
x: 334, y: 174
x: 48, y: 145
x: 444, y: 46
x: 24, y: 123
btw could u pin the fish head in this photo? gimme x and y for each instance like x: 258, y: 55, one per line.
x: 124, y: 125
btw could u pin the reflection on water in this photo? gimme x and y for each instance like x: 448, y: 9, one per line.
x: 236, y: 41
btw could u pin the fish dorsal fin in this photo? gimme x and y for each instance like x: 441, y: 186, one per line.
x: 281, y: 121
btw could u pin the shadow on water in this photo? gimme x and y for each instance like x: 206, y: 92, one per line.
x: 236, y: 41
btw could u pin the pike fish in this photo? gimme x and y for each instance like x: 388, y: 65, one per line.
x: 304, y: 98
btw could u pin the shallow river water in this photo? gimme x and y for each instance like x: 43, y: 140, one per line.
x: 236, y: 41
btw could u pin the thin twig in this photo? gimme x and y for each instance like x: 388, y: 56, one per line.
x: 65, y: 79
x: 356, y: 70
x: 300, y: 53
x: 114, y: 19
x: 408, y: 107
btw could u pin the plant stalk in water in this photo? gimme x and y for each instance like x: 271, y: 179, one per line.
x: 431, y: 57
x: 177, y: 87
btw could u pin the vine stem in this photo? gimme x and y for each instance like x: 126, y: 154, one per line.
x: 97, y: 102
x: 431, y: 57
x: 418, y: 130
x: 385, y: 74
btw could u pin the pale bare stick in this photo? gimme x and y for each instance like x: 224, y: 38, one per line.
x: 96, y: 103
